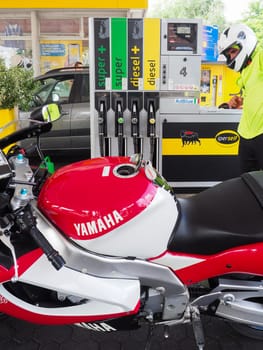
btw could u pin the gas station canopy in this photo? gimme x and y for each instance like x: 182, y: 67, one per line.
x: 35, y: 21
x: 118, y: 6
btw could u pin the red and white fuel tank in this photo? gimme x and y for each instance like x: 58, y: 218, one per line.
x: 111, y: 206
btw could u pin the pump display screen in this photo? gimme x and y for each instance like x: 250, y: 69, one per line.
x: 182, y: 37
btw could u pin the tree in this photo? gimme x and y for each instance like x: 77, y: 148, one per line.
x: 254, y: 19
x: 210, y: 11
x: 17, y: 87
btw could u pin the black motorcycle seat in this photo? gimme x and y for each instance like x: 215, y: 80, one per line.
x: 227, y: 215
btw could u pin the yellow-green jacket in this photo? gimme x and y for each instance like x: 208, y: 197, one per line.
x: 251, y: 84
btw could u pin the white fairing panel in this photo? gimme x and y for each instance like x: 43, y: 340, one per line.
x: 144, y: 236
x: 104, y: 295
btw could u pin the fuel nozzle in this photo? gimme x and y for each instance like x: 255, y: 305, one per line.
x: 119, y: 123
x: 102, y: 121
x: 151, y: 120
x: 135, y: 126
x: 151, y: 131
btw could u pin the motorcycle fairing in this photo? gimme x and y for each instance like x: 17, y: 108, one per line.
x: 88, y: 199
x: 177, y: 261
x: 144, y: 236
x: 83, y: 272
x: 123, y: 292
x: 106, y: 221
x: 7, y: 271
x: 102, y: 297
x: 245, y: 259
x: 225, y: 216
x: 11, y: 305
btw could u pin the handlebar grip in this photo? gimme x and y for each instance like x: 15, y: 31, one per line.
x: 53, y: 256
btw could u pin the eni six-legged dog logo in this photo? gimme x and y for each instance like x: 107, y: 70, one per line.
x: 189, y: 137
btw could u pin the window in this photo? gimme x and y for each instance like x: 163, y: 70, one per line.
x: 54, y: 90
x: 60, y: 27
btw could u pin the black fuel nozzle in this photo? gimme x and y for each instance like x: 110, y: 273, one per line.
x: 102, y: 121
x: 119, y: 128
x: 151, y: 120
x: 151, y: 130
x: 135, y: 126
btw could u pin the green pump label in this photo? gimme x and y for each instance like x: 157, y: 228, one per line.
x: 119, y: 53
x: 102, y: 52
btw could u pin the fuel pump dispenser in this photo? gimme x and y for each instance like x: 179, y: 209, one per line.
x: 199, y: 146
x: 125, y: 66
x: 145, y: 99
x: 180, y: 66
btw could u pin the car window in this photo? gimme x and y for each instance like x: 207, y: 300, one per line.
x: 61, y: 91
x: 54, y: 90
x: 41, y: 96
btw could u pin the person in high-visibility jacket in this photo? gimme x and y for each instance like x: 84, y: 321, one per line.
x: 239, y: 45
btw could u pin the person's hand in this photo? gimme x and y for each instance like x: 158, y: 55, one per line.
x: 235, y: 102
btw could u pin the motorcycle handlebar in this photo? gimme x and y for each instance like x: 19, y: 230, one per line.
x: 28, y: 132
x: 53, y: 256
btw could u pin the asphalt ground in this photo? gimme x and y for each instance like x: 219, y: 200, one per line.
x: 19, y: 335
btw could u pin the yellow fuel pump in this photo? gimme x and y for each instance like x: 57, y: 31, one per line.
x: 218, y: 84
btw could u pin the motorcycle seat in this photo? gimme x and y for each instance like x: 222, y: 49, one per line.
x: 227, y: 215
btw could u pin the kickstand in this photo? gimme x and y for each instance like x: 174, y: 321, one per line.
x: 198, y: 328
x: 149, y: 336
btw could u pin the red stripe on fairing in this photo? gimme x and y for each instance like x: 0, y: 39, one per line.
x: 243, y: 259
x: 159, y: 256
x: 17, y: 312
x: 24, y: 262
x: 28, y: 259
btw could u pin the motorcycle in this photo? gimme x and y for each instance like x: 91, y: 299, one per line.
x: 105, y: 244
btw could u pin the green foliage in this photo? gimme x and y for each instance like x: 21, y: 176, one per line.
x: 210, y: 11
x: 254, y: 19
x: 16, y: 87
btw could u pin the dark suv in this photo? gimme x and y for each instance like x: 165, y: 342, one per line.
x: 68, y: 87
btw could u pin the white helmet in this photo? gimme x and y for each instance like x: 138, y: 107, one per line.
x: 241, y: 36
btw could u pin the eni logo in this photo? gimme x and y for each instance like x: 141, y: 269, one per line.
x: 227, y: 137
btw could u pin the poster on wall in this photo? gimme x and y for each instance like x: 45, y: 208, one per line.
x: 59, y: 53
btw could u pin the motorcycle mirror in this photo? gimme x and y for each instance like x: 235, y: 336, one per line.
x: 47, y: 113
x: 51, y: 112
